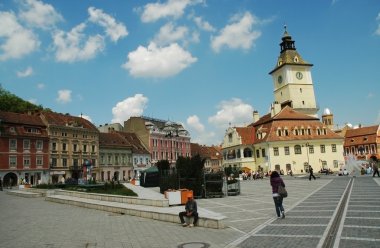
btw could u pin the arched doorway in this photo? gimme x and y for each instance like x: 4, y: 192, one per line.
x: 10, y: 179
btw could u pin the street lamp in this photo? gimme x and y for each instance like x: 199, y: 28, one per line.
x: 307, y: 153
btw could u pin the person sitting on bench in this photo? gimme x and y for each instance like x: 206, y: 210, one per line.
x: 190, y: 210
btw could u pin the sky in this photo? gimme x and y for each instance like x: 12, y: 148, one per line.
x: 202, y: 63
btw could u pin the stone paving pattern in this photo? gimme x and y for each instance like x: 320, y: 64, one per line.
x: 251, y: 222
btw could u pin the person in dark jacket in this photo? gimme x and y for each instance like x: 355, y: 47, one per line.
x: 275, y: 181
x: 311, y: 175
x: 190, y: 210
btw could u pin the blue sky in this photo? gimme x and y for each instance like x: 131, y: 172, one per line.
x: 203, y: 63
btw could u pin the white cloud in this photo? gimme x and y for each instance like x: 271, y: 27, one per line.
x: 64, y: 96
x: 75, y: 46
x: 113, y: 29
x: 38, y: 14
x: 131, y: 106
x: 199, y: 134
x: 85, y: 117
x: 194, y: 123
x: 204, y: 25
x: 40, y: 86
x: 370, y: 95
x: 158, y: 62
x: 28, y: 71
x: 169, y: 34
x: 172, y: 8
x: 234, y: 111
x: 15, y: 40
x: 238, y: 34
x: 377, y: 32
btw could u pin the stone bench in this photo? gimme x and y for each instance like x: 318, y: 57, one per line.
x: 207, y: 218
x: 115, y: 198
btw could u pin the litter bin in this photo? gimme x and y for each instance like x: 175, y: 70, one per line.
x: 173, y: 196
x: 185, y: 193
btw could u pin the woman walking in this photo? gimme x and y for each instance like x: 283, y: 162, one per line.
x: 275, y: 181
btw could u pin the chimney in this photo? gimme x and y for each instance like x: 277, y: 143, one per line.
x: 275, y: 108
x: 256, y: 116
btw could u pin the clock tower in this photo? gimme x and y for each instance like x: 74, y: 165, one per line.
x: 293, y: 85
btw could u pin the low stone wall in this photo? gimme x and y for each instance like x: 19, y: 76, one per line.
x: 115, y: 198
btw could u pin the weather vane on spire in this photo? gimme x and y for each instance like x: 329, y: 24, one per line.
x: 285, y: 27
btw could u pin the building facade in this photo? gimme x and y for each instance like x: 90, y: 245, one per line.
x: 24, y: 149
x: 73, y: 148
x: 238, y: 148
x: 165, y: 140
x: 363, y: 143
x: 290, y: 140
x: 211, y: 154
x: 141, y: 158
x: 115, y: 158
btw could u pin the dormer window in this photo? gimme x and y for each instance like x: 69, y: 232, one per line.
x: 295, y: 59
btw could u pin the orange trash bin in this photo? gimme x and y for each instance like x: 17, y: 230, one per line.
x: 185, y: 193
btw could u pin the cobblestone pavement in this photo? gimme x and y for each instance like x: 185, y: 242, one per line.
x: 252, y: 222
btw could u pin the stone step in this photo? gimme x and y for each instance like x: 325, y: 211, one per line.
x: 207, y: 218
x: 116, y: 198
x: 24, y: 193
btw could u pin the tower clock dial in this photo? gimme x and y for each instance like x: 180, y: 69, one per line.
x: 299, y: 75
x: 279, y: 79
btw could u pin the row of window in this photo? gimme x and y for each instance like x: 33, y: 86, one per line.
x: 65, y: 162
x: 26, y: 144
x: 299, y: 131
x: 74, y: 135
x: 168, y: 155
x: 276, y: 151
x: 367, y: 149
x: 115, y: 159
x: 232, y: 154
x: 75, y: 147
x: 298, y: 149
x: 26, y: 161
x: 170, y: 143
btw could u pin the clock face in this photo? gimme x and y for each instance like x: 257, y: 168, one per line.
x: 279, y: 79
x: 299, y: 75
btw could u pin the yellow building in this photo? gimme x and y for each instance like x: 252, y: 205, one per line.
x: 290, y: 140
x: 237, y: 148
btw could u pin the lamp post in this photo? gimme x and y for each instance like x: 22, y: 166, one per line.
x: 307, y: 153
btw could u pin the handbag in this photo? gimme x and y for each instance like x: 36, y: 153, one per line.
x: 282, y: 191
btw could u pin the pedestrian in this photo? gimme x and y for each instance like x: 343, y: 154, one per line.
x: 275, y: 181
x: 10, y: 183
x: 1, y: 184
x: 311, y: 173
x: 375, y: 170
x: 190, y: 211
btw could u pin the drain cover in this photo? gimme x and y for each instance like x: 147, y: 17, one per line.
x: 194, y: 245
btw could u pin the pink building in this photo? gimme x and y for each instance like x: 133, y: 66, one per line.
x: 166, y: 140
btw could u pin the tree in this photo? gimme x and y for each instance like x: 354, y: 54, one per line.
x: 12, y: 103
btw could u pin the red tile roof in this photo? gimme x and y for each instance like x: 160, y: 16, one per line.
x: 362, y: 136
x: 17, y: 118
x: 57, y: 119
x: 290, y: 120
x: 134, y: 142
x: 112, y: 140
x: 247, y: 135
